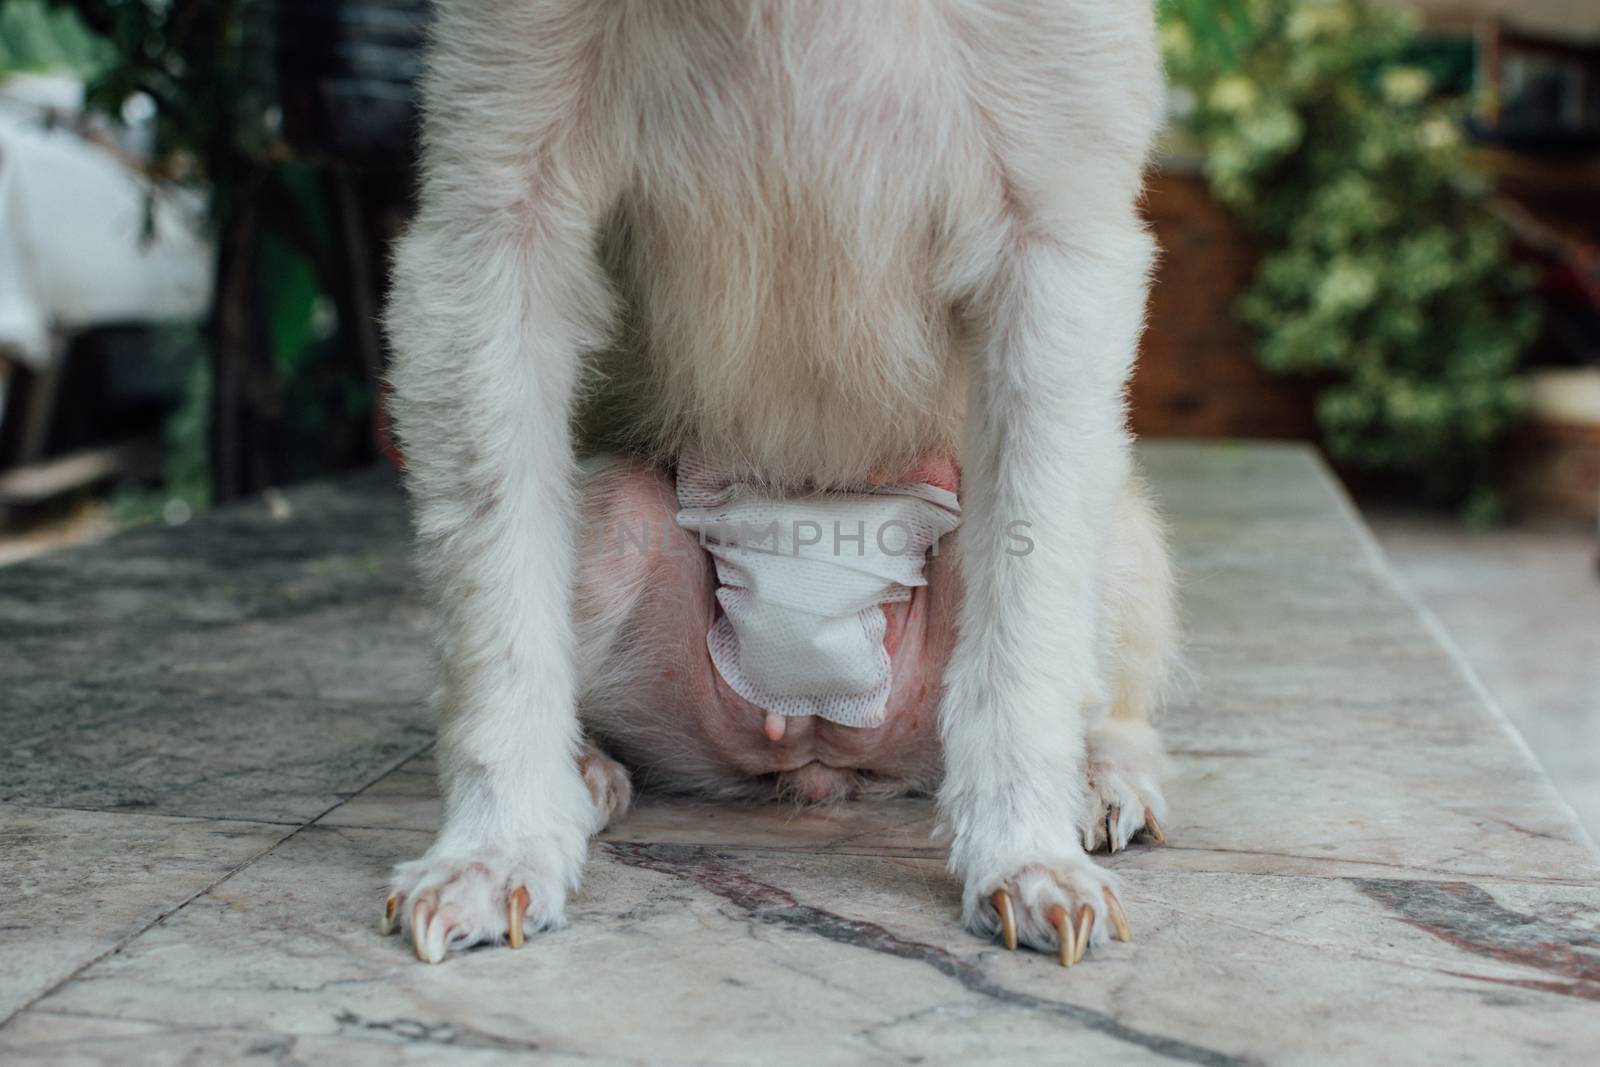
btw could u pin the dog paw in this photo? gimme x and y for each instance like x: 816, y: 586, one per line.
x: 1062, y: 908
x: 610, y: 787
x: 444, y: 903
x: 1125, y: 767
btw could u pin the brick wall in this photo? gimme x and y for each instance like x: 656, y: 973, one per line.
x: 1197, y: 376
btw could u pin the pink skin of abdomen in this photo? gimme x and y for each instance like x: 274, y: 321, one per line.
x: 682, y: 725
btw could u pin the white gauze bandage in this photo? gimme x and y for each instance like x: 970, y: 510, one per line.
x: 802, y: 582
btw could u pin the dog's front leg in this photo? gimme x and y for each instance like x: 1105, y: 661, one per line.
x: 496, y: 293
x: 1047, y: 454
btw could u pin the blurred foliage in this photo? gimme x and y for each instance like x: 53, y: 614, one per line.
x: 1383, y: 272
x: 202, y: 64
x: 206, y: 66
x: 34, y: 37
x: 1210, y: 33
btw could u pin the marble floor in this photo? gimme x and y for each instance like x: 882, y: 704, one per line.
x: 1523, y: 605
x: 217, y: 749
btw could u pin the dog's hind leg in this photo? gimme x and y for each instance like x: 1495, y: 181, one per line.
x: 1125, y: 760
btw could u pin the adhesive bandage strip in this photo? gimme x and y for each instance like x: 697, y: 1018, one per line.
x: 802, y: 582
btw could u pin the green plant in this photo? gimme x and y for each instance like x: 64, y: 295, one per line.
x: 1383, y: 272
x: 201, y: 64
x: 33, y: 37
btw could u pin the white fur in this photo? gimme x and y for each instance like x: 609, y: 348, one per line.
x: 842, y: 235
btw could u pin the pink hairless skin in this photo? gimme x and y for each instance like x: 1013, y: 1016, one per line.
x: 722, y: 736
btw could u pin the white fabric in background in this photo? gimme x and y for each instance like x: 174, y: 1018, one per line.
x: 802, y: 581
x: 73, y: 246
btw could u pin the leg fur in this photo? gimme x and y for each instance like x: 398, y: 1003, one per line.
x: 496, y: 292
x: 1141, y: 617
x: 1125, y: 759
x: 1048, y: 449
x: 1056, y: 321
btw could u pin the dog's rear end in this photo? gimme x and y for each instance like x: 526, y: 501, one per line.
x: 809, y: 243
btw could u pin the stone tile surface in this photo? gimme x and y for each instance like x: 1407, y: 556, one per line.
x: 243, y: 666
x: 1523, y: 604
x: 695, y: 953
x: 1367, y: 866
x: 74, y: 885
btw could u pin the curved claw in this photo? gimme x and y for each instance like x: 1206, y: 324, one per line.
x: 1113, y: 814
x: 1118, y: 919
x: 516, y: 907
x: 1085, y: 926
x: 1008, y: 918
x: 427, y: 934
x: 387, y: 925
x: 1154, y: 828
x: 1057, y: 916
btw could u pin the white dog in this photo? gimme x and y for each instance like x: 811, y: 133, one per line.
x: 829, y: 254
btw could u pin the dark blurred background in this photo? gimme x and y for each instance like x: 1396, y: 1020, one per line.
x: 1379, y: 222
x: 236, y: 169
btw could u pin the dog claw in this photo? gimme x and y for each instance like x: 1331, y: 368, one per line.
x: 387, y: 925
x: 1154, y: 828
x: 516, y: 906
x: 1118, y: 920
x: 427, y: 935
x: 436, y: 940
x: 1069, y: 946
x: 1008, y: 918
x: 1085, y: 925
x: 1112, y: 815
x: 419, y: 930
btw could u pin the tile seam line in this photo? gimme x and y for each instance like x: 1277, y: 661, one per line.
x: 143, y: 813
x: 166, y: 914
x: 168, y: 1028
x: 1436, y: 629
